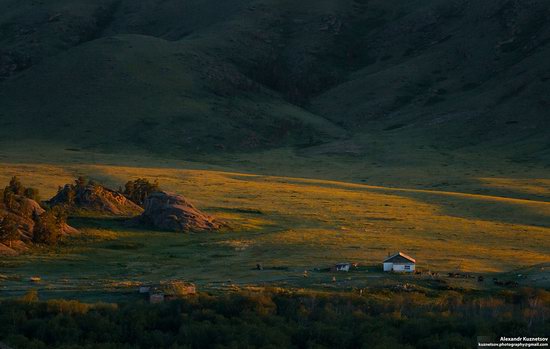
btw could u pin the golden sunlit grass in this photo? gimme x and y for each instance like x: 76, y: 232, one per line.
x: 320, y: 221
x: 535, y: 186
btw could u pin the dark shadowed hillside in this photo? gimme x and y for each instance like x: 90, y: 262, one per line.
x: 324, y: 77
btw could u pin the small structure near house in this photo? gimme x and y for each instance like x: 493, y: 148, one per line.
x: 144, y: 289
x: 168, y: 290
x: 404, y: 288
x: 400, y: 262
x: 341, y: 267
x: 35, y: 278
x: 156, y: 298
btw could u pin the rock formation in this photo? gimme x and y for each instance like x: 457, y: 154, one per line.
x: 94, y: 198
x: 172, y: 212
x: 22, y: 214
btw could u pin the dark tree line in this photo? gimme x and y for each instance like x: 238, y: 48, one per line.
x: 278, y: 320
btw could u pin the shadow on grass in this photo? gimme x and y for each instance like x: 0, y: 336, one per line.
x: 120, y: 224
x: 529, y: 213
x: 124, y: 224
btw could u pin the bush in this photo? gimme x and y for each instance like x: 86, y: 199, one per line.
x: 32, y: 193
x: 30, y: 297
x: 48, y: 227
x: 16, y: 188
x: 81, y: 182
x: 8, y: 229
x: 70, y: 307
x: 177, y: 288
x: 140, y: 189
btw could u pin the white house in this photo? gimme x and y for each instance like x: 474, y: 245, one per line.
x: 399, y: 262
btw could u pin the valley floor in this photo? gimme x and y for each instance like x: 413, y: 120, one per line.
x: 289, y: 225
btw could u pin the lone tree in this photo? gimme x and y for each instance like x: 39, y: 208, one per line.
x: 140, y: 189
x: 8, y: 230
x: 15, y: 186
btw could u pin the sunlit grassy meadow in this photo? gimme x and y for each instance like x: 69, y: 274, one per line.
x: 289, y: 225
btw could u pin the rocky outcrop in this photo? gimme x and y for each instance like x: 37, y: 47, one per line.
x: 23, y: 214
x: 24, y: 207
x: 172, y: 212
x: 95, y: 198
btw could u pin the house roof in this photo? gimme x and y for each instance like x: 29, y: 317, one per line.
x: 400, y: 254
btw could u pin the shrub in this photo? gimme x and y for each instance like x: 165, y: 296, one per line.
x: 16, y: 188
x: 32, y: 193
x: 178, y: 288
x: 139, y: 189
x: 81, y: 182
x: 8, y: 229
x: 30, y: 297
x: 70, y: 307
x: 48, y: 227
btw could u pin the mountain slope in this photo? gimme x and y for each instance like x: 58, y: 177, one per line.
x: 178, y: 77
x: 133, y: 91
x: 467, y: 73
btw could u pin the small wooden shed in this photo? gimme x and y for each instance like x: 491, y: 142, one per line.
x: 341, y: 267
